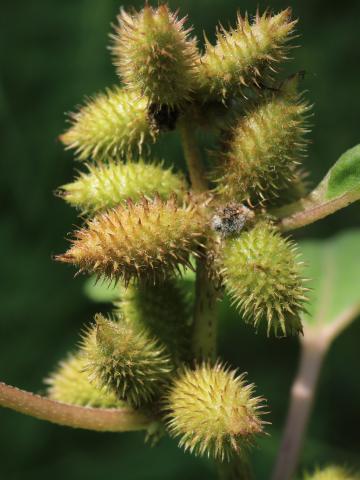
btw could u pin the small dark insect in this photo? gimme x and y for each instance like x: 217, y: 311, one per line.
x: 231, y: 219
x: 164, y: 116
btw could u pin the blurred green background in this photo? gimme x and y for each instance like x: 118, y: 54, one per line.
x: 53, y: 53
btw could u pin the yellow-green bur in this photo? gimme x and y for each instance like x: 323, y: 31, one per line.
x: 105, y: 186
x: 165, y: 309
x: 213, y: 412
x: 147, y: 240
x: 262, y: 275
x: 70, y: 383
x: 110, y: 126
x: 261, y: 159
x: 332, y: 473
x: 243, y: 57
x: 155, y: 55
x: 126, y: 360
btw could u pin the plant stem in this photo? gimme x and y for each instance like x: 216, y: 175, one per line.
x: 205, y: 315
x: 313, y: 350
x: 205, y: 321
x: 314, y: 345
x: 310, y: 209
x: 193, y: 156
x: 99, y: 419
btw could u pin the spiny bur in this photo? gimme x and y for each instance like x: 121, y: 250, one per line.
x: 70, y: 383
x: 245, y: 56
x: 105, y: 186
x: 260, y: 160
x: 149, y: 239
x: 332, y: 473
x: 262, y: 275
x: 155, y: 55
x: 213, y: 411
x: 126, y: 360
x: 164, y: 309
x: 111, y: 125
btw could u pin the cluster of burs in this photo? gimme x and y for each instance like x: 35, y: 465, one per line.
x: 145, y: 226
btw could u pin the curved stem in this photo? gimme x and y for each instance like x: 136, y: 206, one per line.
x: 314, y: 345
x: 301, y: 402
x: 99, y: 419
x: 313, y: 207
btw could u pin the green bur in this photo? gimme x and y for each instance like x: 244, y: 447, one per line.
x: 165, y: 309
x: 262, y: 275
x: 105, y: 186
x: 126, y: 360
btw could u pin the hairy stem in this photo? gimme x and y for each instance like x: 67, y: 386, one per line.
x: 99, y: 419
x: 310, y: 209
x: 313, y: 350
x: 193, y: 156
x: 205, y: 315
x: 205, y: 321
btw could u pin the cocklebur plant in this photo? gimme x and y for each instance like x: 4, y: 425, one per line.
x: 152, y: 364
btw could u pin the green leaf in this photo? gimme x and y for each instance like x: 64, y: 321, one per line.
x: 339, y: 188
x: 334, y: 269
x: 344, y: 177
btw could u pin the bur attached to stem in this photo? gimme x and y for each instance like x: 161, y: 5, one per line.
x: 245, y: 56
x: 148, y: 239
x: 155, y: 55
x: 126, y: 360
x: 106, y: 186
x: 111, y: 125
x: 261, y: 158
x: 214, y: 412
x: 262, y: 275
